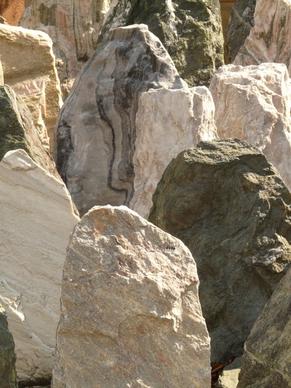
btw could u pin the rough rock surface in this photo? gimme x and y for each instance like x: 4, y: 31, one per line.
x: 190, y: 30
x: 17, y: 130
x: 167, y: 122
x: 7, y: 355
x: 229, y: 376
x: 267, y: 357
x: 12, y: 10
x: 36, y: 222
x: 108, y: 124
x: 270, y: 38
x: 74, y: 27
x: 131, y: 315
x: 253, y: 103
x: 228, y: 205
x: 29, y: 68
x: 240, y: 23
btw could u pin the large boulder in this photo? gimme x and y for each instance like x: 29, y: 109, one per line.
x: 270, y: 38
x: 17, y: 130
x: 229, y: 206
x: 29, y: 68
x: 190, y: 30
x: 127, y: 98
x: 131, y: 315
x: 267, y: 358
x: 74, y: 27
x: 253, y: 103
x: 240, y: 23
x: 7, y: 354
x: 37, y: 219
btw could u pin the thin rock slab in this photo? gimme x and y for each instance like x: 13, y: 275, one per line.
x: 267, y: 357
x: 17, y: 130
x: 131, y: 314
x: 270, y: 38
x: 253, y: 103
x: 110, y: 121
x: 29, y: 68
x: 36, y: 221
x: 191, y: 32
x: 233, y: 211
x: 7, y: 354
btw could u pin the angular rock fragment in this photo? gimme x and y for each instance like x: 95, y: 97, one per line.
x: 7, y: 355
x: 36, y: 222
x: 270, y: 38
x: 109, y: 123
x: 17, y: 130
x: 240, y: 23
x: 74, y: 27
x: 191, y: 31
x: 253, y: 103
x: 29, y: 68
x: 229, y: 206
x: 131, y: 314
x: 267, y: 358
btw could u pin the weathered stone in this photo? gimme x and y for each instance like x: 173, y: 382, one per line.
x: 228, y: 205
x: 229, y: 376
x: 7, y: 355
x: 29, y: 68
x: 190, y: 30
x: 74, y: 27
x: 240, y: 23
x: 12, y: 10
x: 270, y: 38
x: 126, y: 100
x: 131, y: 315
x: 266, y: 361
x: 253, y: 103
x: 18, y: 131
x: 36, y: 221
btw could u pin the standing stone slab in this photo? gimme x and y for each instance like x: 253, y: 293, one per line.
x: 229, y: 206
x: 29, y: 68
x: 253, y: 103
x: 190, y: 30
x: 109, y: 122
x: 7, y: 355
x: 240, y: 23
x: 17, y: 130
x: 36, y: 221
x: 131, y: 314
x: 267, y: 357
x: 270, y: 38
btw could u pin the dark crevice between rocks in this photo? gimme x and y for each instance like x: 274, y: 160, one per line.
x: 41, y: 382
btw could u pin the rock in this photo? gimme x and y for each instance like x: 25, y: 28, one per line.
x: 37, y: 219
x: 7, y: 355
x: 228, y: 205
x: 240, y: 23
x: 74, y: 27
x: 18, y: 131
x: 131, y: 314
x: 123, y: 104
x: 269, y: 40
x: 191, y: 31
x: 29, y: 68
x: 229, y: 377
x: 266, y: 361
x: 12, y: 10
x: 253, y: 103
